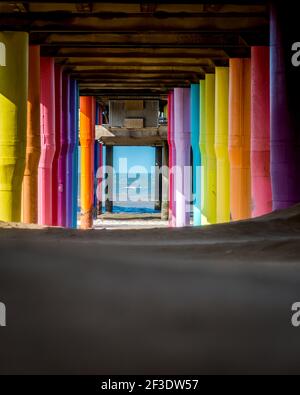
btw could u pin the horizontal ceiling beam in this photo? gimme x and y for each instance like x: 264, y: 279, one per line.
x: 122, y: 22
x: 126, y: 53
x: 199, y: 39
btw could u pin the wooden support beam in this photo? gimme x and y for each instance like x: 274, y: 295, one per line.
x: 132, y: 53
x: 162, y: 39
x: 168, y: 69
x: 123, y: 22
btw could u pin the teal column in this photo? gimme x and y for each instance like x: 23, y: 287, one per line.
x: 195, y: 128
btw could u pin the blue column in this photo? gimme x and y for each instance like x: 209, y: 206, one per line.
x: 195, y: 129
x: 76, y: 155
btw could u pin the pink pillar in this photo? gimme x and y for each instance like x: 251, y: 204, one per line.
x: 260, y: 132
x: 47, y: 141
x: 182, y: 134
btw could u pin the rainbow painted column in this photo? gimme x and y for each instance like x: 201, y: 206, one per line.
x: 70, y: 150
x: 98, y: 158
x: 100, y: 167
x: 260, y: 131
x: 285, y: 110
x: 74, y: 108
x: 58, y: 128
x: 13, y: 119
x: 221, y: 144
x: 172, y: 161
x: 87, y: 138
x: 33, y: 148
x: 240, y: 138
x: 47, y: 140
x: 202, y: 145
x: 62, y: 159
x: 195, y: 129
x: 211, y: 160
x: 182, y: 135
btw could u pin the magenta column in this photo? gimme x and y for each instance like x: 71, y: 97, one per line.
x: 62, y: 160
x: 47, y: 142
x: 182, y: 136
x: 260, y: 131
x: 285, y: 108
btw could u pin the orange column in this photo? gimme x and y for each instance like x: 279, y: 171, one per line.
x: 240, y: 138
x: 87, y: 138
x: 33, y: 147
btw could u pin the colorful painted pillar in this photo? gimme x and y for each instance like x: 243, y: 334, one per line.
x: 195, y: 129
x: 75, y: 118
x: 260, y: 131
x: 109, y: 189
x: 69, y: 126
x: 58, y: 129
x: 64, y: 146
x: 33, y: 148
x: 211, y: 159
x: 165, y: 183
x: 202, y: 145
x: 87, y: 138
x: 158, y: 178
x: 98, y: 160
x: 73, y: 158
x: 47, y: 141
x: 172, y: 160
x: 182, y: 135
x: 13, y: 120
x: 285, y: 112
x: 240, y: 138
x: 221, y: 144
x: 97, y: 148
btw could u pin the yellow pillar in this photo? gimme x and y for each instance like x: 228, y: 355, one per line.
x: 13, y: 122
x: 221, y: 144
x: 240, y: 138
x: 210, y: 149
x: 203, y: 149
x: 87, y: 140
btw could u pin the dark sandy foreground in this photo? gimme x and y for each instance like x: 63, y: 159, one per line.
x: 212, y: 300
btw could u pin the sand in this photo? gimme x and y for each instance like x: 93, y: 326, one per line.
x: 157, y: 301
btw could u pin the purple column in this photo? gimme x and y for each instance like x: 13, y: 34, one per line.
x: 61, y: 196
x: 182, y: 135
x: 285, y: 107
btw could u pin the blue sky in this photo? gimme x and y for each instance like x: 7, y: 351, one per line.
x: 136, y: 156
